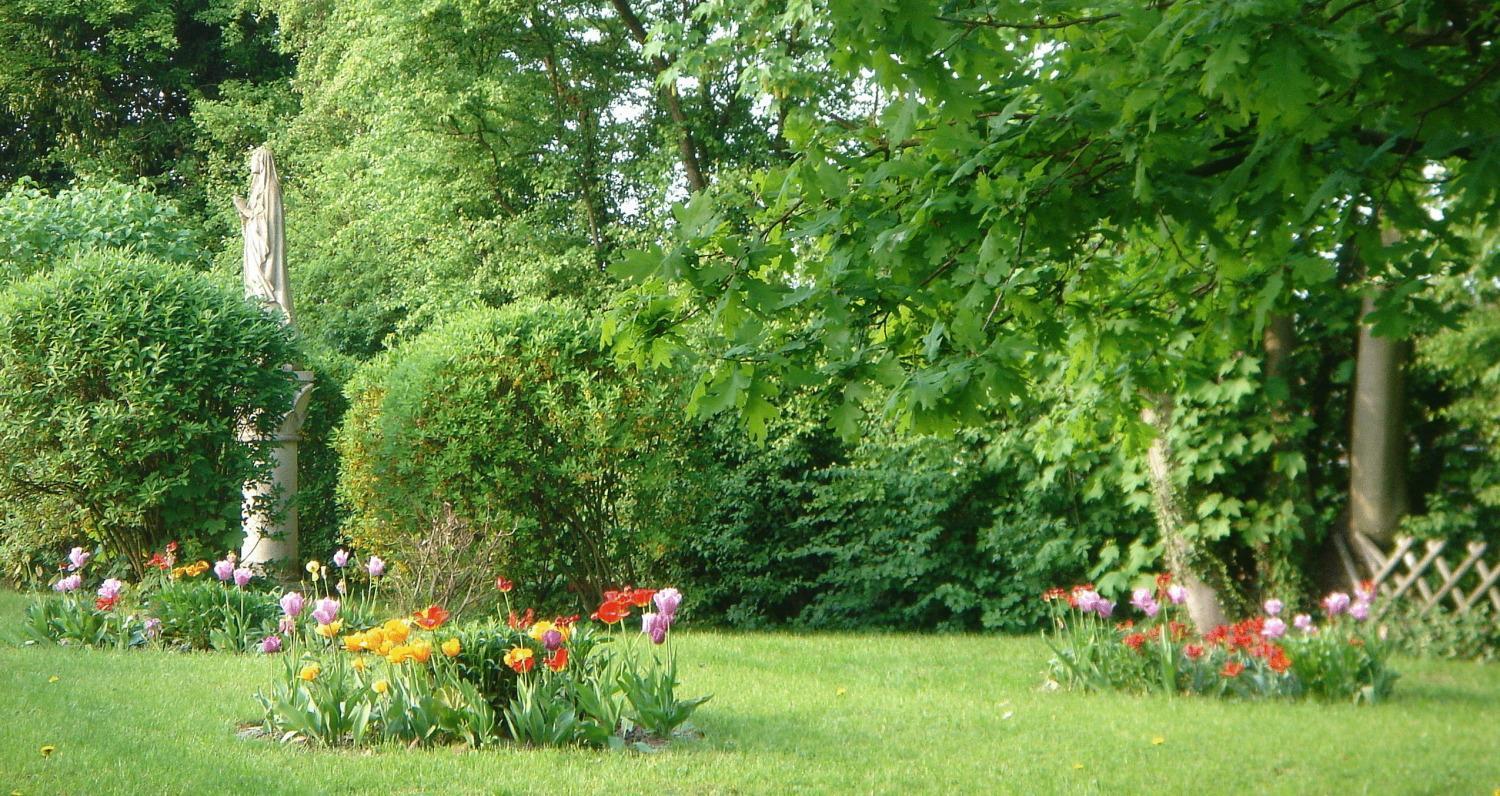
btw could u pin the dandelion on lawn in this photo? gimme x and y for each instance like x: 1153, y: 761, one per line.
x: 1077, y: 766
x: 54, y: 678
x: 841, y: 692
x: 1158, y: 741
x: 48, y: 750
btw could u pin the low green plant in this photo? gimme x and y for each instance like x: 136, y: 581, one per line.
x: 201, y: 613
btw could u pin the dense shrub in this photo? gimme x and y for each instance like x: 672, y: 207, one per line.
x: 123, y: 383
x: 516, y: 420
x: 911, y: 533
x: 37, y: 228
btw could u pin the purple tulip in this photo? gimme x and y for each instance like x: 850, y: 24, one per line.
x: 1177, y: 594
x: 1087, y: 600
x: 1336, y: 603
x: 70, y: 583
x: 667, y: 601
x: 1273, y: 607
x: 1360, y: 610
x: 224, y: 569
x: 77, y: 557
x: 287, y: 625
x: 243, y: 576
x: 1304, y: 623
x: 1104, y: 608
x: 375, y: 566
x: 341, y: 558
x: 552, y: 639
x: 153, y: 627
x: 110, y: 589
x: 655, y: 625
x: 1142, y: 600
x: 325, y: 611
x: 291, y: 604
x: 1273, y: 628
x: 271, y: 644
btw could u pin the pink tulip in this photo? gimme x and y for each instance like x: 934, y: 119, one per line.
x: 1273, y: 607
x: 242, y: 576
x: 1304, y: 623
x: 1104, y: 608
x: 153, y: 627
x: 655, y: 625
x: 224, y: 569
x: 341, y: 558
x: 291, y: 604
x: 325, y: 611
x: 70, y: 583
x: 77, y: 557
x: 667, y: 601
x: 1360, y: 610
x: 110, y: 589
x: 271, y: 644
x: 1336, y: 603
x: 374, y: 566
x: 1273, y: 628
x: 1177, y: 594
x: 1142, y: 600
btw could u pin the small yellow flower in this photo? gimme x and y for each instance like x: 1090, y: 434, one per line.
x: 54, y: 678
x: 381, y: 686
x: 1077, y: 766
x: 48, y: 750
x: 331, y: 629
x: 399, y: 654
x: 310, y: 672
x: 452, y: 647
x: 360, y: 664
x: 841, y: 692
x: 397, y: 630
x: 1158, y: 741
x: 422, y: 651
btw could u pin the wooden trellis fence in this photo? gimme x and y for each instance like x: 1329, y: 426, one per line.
x: 1429, y: 573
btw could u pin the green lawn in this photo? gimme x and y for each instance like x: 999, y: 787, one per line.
x: 810, y: 713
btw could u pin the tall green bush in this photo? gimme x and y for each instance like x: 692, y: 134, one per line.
x: 515, y: 419
x: 123, y: 383
x: 899, y: 532
x: 38, y: 228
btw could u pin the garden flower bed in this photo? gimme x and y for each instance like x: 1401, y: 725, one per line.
x: 1342, y: 657
x: 344, y: 677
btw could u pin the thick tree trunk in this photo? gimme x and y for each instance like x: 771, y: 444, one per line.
x: 1204, y: 606
x: 1377, y: 446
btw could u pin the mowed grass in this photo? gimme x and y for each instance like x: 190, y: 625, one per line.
x: 790, y: 713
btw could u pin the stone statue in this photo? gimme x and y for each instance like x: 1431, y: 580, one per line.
x: 264, y: 228
x: 270, y: 510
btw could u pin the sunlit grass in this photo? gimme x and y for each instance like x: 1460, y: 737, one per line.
x: 811, y: 713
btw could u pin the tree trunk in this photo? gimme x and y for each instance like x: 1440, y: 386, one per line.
x: 1203, y: 603
x: 1377, y: 446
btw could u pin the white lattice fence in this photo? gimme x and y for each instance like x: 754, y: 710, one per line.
x: 1431, y: 573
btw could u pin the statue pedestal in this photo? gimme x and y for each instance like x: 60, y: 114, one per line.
x: 271, y: 537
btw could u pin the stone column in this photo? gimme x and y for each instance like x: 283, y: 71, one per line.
x: 271, y: 535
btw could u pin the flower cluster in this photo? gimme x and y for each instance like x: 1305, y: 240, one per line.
x: 1258, y: 656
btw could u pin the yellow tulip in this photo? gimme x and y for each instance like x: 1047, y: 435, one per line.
x: 310, y: 672
x: 422, y: 651
x: 540, y: 629
x: 312, y: 567
x: 331, y: 629
x: 382, y: 686
x: 452, y: 647
x: 399, y: 654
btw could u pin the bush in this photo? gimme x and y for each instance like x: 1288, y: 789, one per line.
x: 900, y: 533
x: 123, y: 383
x: 515, y: 419
x: 37, y: 228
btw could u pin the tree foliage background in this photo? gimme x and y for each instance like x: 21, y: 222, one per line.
x: 1054, y: 237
